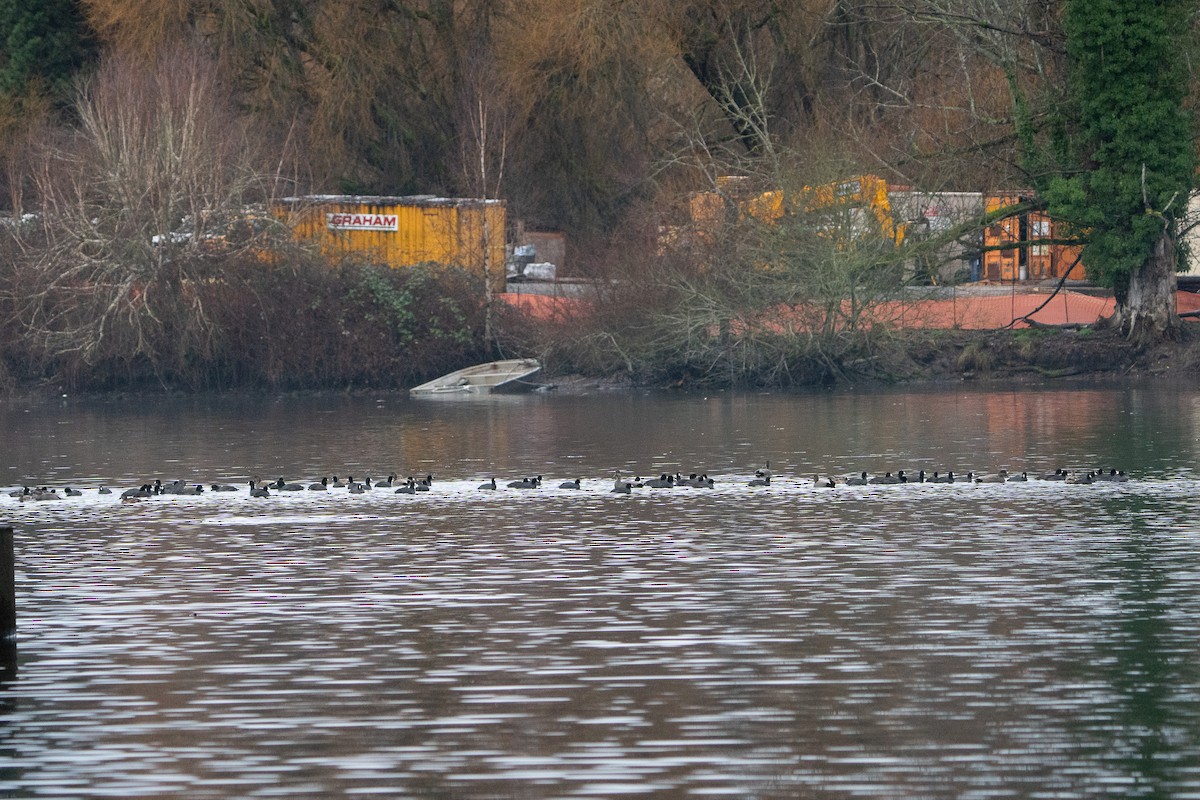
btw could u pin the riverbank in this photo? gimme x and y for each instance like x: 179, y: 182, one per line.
x: 975, y: 332
x: 1039, y: 354
x: 988, y: 358
x: 891, y: 357
x: 926, y: 358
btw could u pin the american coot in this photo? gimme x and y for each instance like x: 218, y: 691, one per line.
x: 569, y: 484
x: 258, y: 491
x: 135, y: 495
x: 526, y: 483
x: 323, y: 486
x: 490, y: 485
x: 180, y: 487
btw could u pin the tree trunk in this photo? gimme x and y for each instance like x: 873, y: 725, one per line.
x: 489, y: 297
x: 1148, y: 312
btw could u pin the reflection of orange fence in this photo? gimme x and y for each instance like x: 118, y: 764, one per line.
x: 1020, y: 247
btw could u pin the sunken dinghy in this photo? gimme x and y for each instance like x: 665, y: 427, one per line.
x: 495, y: 377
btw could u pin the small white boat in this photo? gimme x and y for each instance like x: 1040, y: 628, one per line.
x: 510, y: 376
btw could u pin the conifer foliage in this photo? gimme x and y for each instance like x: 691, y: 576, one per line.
x: 44, y: 42
x: 1133, y: 151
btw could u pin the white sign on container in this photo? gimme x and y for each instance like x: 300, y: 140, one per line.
x: 339, y: 221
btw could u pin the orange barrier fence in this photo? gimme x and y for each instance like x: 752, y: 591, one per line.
x: 968, y: 311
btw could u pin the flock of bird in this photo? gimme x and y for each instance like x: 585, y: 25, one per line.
x: 762, y: 477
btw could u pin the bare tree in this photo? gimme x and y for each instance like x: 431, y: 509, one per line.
x: 486, y: 119
x: 785, y: 262
x: 138, y: 28
x: 139, y: 205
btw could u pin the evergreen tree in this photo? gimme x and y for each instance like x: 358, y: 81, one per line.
x: 44, y: 41
x: 1131, y: 144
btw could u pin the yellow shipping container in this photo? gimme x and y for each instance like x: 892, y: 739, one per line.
x: 405, y: 231
x: 861, y: 203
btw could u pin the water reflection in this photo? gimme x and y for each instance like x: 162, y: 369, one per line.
x: 1149, y: 655
x: 985, y: 641
x: 1138, y: 429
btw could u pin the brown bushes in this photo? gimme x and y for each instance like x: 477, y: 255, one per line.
x: 303, y: 325
x: 744, y: 305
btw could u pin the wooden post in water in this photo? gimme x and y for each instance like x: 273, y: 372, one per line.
x: 8, y: 606
x: 8, y: 585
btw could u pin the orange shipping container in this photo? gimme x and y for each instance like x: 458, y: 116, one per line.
x: 1039, y: 263
x: 1001, y: 264
x: 1019, y: 247
x: 1065, y: 258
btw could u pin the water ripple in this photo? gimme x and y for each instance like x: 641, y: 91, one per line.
x: 977, y: 641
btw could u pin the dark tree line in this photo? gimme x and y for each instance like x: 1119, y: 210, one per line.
x: 598, y: 117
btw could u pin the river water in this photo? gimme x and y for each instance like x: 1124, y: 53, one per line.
x: 995, y: 640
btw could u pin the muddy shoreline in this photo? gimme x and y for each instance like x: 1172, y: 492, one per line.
x: 988, y: 359
x: 1026, y: 357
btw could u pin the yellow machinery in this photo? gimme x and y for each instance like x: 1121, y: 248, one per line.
x: 862, y: 202
x: 850, y: 209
